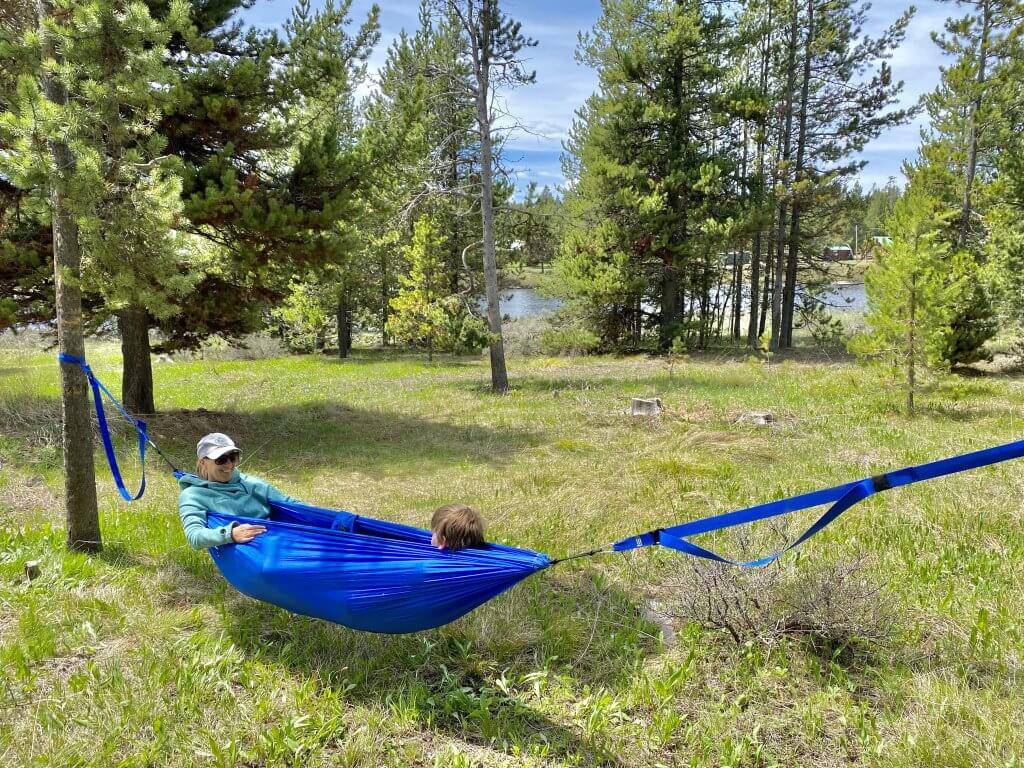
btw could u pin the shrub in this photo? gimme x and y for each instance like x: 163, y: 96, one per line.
x: 569, y: 340
x: 835, y: 605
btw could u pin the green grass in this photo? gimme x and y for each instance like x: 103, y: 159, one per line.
x: 142, y: 656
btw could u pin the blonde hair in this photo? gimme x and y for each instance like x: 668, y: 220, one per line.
x: 201, y: 470
x: 458, y: 526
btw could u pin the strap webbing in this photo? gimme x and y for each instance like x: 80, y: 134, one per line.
x: 842, y: 497
x: 98, y: 390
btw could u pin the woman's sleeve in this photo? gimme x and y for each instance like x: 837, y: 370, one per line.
x: 199, y: 535
x: 275, y: 495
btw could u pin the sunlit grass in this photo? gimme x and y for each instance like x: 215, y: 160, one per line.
x: 143, y: 656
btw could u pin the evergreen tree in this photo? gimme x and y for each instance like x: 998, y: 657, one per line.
x: 959, y: 162
x: 843, y: 97
x: 271, y: 172
x: 656, y: 190
x: 540, y: 226
x: 426, y: 314
x: 81, y: 98
x: 419, y: 134
x: 908, y: 292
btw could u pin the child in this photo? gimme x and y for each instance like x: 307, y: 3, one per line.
x: 456, y: 526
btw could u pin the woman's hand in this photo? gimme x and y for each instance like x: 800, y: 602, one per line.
x: 244, y: 533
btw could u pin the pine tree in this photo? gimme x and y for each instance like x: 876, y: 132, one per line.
x: 423, y: 160
x: 426, y: 314
x: 655, y: 158
x: 908, y: 292
x: 271, y: 173
x: 116, y: 73
x: 959, y: 158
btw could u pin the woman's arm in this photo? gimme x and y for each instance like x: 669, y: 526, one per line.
x: 275, y: 495
x: 199, y: 535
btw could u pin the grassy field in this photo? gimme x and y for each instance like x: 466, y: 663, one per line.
x: 142, y: 656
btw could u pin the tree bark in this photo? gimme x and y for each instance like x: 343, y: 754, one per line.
x: 786, y: 144
x: 81, y: 513
x: 789, y: 293
x: 755, y: 279
x: 344, y: 326
x: 972, y: 146
x: 136, y: 362
x: 753, y: 326
x: 385, y: 308
x: 910, y: 344
x: 482, y: 56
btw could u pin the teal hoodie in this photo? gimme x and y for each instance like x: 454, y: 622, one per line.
x: 242, y: 496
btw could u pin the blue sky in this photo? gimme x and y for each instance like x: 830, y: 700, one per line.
x: 546, y: 108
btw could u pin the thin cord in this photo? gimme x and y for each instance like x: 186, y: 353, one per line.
x: 162, y: 456
x: 591, y: 553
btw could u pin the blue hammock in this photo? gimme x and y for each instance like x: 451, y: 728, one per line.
x: 385, y: 577
x: 364, y: 573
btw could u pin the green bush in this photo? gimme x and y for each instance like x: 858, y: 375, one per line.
x: 569, y: 340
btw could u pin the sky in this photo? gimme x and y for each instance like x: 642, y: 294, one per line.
x: 545, y: 109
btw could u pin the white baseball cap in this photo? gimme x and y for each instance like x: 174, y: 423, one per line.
x: 215, y: 445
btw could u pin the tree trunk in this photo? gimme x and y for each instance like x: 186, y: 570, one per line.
x: 789, y: 294
x: 82, y: 516
x: 737, y: 281
x: 910, y: 344
x: 669, y: 300
x: 767, y: 287
x: 344, y: 326
x: 786, y: 146
x: 499, y: 375
x: 384, y: 303
x: 754, y: 329
x: 136, y: 362
x: 455, y: 251
x: 972, y: 146
x: 755, y: 279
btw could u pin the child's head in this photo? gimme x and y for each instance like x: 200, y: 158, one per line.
x: 456, y: 526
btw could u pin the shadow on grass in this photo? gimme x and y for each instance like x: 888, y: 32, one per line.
x: 118, y: 555
x: 331, y: 435
x: 326, y: 435
x: 959, y: 413
x: 573, y: 382
x: 368, y: 356
x: 467, y: 680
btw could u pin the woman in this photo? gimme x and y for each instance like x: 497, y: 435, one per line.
x: 218, y: 486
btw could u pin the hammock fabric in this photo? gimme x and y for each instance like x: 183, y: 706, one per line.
x: 384, y: 577
x: 364, y: 573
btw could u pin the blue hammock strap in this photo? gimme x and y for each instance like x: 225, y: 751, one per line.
x: 98, y: 391
x: 841, y: 497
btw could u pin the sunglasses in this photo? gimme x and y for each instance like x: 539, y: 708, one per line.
x: 220, y: 461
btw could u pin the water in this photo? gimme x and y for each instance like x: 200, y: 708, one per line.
x: 517, y: 303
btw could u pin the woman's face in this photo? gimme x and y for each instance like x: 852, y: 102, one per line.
x: 221, y: 473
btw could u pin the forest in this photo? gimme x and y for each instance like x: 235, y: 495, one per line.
x: 222, y: 180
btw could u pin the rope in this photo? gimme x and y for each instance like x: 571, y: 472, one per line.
x: 589, y: 553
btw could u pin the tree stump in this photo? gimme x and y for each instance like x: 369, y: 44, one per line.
x: 641, y: 406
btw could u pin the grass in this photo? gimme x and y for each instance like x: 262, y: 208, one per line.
x: 142, y: 656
